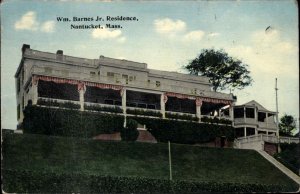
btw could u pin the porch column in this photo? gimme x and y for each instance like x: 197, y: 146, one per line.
x: 267, y: 119
x: 123, y: 95
x: 34, y: 91
x: 81, y: 90
x: 163, y: 100
x: 244, y: 114
x: 198, y: 108
x: 231, y: 113
x: 245, y: 132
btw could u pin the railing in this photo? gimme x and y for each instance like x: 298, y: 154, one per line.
x: 90, y: 106
x: 58, y: 100
x: 266, y: 138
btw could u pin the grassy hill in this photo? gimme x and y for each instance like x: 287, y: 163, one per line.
x: 136, y: 161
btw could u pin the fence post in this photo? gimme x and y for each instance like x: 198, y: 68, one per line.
x: 170, y: 161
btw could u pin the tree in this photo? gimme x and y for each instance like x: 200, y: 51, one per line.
x: 130, y: 133
x: 287, y: 124
x: 223, y: 71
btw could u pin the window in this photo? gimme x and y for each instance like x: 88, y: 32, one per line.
x: 18, y: 111
x: 18, y: 84
x: 157, y: 83
x: 238, y: 112
x: 119, y: 103
x: 151, y: 106
x: 132, y: 78
x: 92, y: 73
x: 23, y: 100
x: 261, y: 116
x: 250, y: 112
x: 142, y: 105
x: 194, y: 91
x: 110, y: 74
x: 108, y: 102
x: 125, y: 76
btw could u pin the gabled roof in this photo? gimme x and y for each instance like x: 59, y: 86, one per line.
x: 256, y: 104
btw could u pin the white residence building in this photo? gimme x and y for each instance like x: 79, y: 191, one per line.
x: 252, y: 118
x: 44, y: 77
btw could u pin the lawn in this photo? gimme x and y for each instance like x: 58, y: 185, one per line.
x: 123, y: 159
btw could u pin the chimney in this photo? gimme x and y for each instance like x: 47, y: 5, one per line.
x: 59, y: 54
x: 24, y: 47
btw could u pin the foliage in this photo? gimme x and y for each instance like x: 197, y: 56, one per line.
x: 115, y: 109
x: 289, y: 156
x: 222, y: 70
x: 63, y: 122
x: 70, y: 105
x: 287, y: 124
x: 181, y: 117
x: 106, y: 166
x: 184, y: 132
x: 22, y: 181
x: 216, y: 120
x: 130, y: 133
x: 144, y: 112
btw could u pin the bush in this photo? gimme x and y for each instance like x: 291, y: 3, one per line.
x: 55, y: 103
x: 22, y: 181
x: 115, y: 109
x: 184, y: 132
x: 182, y: 117
x: 289, y: 156
x: 144, y: 112
x: 74, y: 123
x: 216, y: 120
x: 130, y: 133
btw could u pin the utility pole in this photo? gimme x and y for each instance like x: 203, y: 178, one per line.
x: 170, y: 162
x: 277, y: 120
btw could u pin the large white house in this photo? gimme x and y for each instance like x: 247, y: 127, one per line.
x: 252, y: 118
x: 44, y: 78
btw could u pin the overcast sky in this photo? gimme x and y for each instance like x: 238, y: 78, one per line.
x: 166, y: 36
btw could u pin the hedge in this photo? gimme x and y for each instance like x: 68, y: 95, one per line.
x: 22, y: 181
x: 183, y: 131
x: 216, y: 120
x: 115, y: 109
x: 182, y: 117
x: 70, y: 105
x: 289, y: 156
x: 74, y: 123
x: 144, y: 112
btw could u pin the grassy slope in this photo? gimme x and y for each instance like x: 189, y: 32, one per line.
x: 38, y: 152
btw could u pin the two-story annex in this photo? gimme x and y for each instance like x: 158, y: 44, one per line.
x: 44, y: 78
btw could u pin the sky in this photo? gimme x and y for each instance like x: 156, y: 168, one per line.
x: 166, y: 35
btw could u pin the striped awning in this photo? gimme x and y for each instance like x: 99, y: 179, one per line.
x: 81, y: 84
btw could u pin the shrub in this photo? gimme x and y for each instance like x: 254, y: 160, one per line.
x: 74, y: 123
x: 144, y: 112
x: 115, y: 109
x: 22, y: 181
x: 216, y: 120
x: 182, y: 117
x: 184, y: 132
x: 55, y: 103
x: 130, y: 133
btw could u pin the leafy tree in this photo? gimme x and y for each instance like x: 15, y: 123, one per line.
x: 287, y: 124
x: 223, y: 71
x: 130, y: 133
